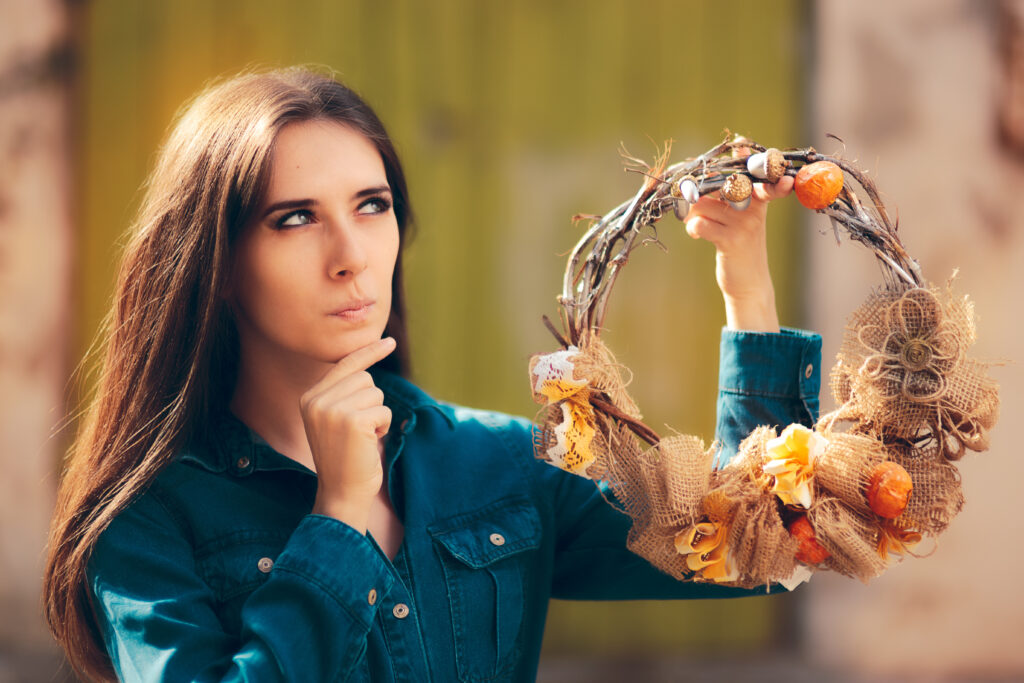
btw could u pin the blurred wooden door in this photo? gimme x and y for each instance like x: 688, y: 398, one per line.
x: 508, y: 117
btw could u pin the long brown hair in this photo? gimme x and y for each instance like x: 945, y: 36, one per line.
x: 171, y: 344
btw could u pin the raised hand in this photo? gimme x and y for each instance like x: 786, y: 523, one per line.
x: 741, y: 254
x: 345, y: 418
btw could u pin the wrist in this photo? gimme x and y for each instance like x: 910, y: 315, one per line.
x: 352, y: 510
x: 752, y: 313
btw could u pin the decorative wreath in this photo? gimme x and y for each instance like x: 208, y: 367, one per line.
x: 859, y: 489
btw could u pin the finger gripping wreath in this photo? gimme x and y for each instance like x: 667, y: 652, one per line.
x: 852, y: 494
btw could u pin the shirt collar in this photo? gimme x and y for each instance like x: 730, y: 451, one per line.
x: 403, y: 396
x: 233, y: 447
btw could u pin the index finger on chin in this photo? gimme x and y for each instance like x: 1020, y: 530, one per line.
x: 363, y: 357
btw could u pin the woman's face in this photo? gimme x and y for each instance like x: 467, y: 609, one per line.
x: 312, y: 271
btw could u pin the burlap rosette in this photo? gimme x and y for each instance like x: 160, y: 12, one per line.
x: 903, y: 371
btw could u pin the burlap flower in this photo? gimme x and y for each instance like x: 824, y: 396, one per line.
x: 913, y: 348
x: 903, y: 371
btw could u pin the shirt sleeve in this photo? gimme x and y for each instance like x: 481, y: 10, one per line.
x: 308, y: 621
x: 765, y: 378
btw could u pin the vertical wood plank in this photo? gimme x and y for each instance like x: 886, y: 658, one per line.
x: 508, y: 117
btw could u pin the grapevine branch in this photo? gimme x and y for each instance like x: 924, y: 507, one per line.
x: 603, y: 250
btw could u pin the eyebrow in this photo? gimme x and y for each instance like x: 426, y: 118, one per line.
x: 300, y: 203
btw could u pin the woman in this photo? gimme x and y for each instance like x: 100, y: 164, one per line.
x: 258, y: 493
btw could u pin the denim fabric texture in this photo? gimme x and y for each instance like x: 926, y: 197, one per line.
x: 219, y: 571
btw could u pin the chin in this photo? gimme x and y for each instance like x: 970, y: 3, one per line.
x: 351, y: 342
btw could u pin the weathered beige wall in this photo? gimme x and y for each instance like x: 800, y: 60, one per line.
x: 35, y: 270
x: 913, y: 88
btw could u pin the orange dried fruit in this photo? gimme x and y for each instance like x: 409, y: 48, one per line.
x: 817, y: 185
x: 810, y: 551
x: 889, y: 488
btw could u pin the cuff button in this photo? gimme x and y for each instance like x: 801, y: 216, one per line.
x: 809, y: 370
x: 265, y: 565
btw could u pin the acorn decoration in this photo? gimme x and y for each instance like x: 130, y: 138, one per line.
x: 769, y: 165
x: 687, y: 189
x: 817, y: 185
x: 810, y: 551
x: 681, y: 208
x: 737, y: 190
x: 889, y: 488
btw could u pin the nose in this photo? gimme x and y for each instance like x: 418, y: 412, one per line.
x: 345, y: 250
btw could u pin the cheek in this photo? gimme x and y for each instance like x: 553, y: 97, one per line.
x: 386, y: 256
x: 267, y: 282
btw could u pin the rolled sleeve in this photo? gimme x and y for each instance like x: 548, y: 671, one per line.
x: 313, y: 554
x: 765, y: 379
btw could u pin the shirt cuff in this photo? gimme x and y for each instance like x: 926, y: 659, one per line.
x: 781, y: 364
x: 341, y: 561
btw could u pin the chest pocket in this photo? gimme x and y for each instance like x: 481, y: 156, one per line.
x: 233, y: 567
x: 487, y: 561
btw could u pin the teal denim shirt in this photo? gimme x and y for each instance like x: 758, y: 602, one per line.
x: 219, y: 571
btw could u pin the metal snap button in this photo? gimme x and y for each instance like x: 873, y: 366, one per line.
x: 242, y: 463
x: 265, y: 565
x: 401, y: 611
x: 809, y: 370
x: 372, y: 597
x: 497, y: 539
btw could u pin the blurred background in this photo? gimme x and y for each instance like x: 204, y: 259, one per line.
x: 509, y: 118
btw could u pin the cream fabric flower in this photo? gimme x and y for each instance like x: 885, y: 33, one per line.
x: 791, y: 463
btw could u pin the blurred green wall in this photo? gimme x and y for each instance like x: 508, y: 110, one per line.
x: 508, y: 116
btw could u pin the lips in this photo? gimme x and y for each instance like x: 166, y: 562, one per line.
x: 355, y: 310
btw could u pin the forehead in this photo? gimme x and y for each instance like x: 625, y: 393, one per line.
x: 320, y: 155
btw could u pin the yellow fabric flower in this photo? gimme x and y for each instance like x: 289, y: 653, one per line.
x: 791, y: 463
x: 705, y: 548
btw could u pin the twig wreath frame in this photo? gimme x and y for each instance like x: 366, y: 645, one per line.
x: 862, y: 487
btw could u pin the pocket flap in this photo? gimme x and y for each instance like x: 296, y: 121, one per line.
x: 486, y: 535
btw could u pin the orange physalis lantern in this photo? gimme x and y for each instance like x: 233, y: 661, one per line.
x: 817, y: 185
x: 889, y: 489
x: 810, y: 552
